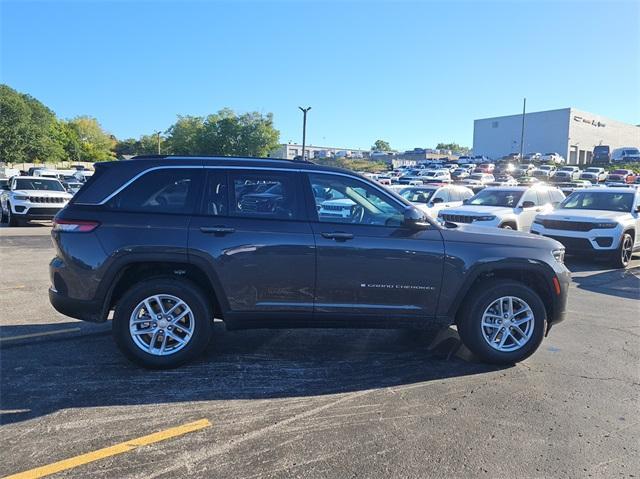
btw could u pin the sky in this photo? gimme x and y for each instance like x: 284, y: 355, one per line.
x: 411, y: 73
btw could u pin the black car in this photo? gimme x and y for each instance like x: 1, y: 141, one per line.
x: 167, y: 244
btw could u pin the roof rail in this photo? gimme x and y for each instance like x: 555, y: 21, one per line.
x: 221, y: 157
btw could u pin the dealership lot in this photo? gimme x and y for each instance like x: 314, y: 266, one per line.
x: 321, y: 403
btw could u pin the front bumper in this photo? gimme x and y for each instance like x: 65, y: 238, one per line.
x: 35, y: 211
x: 601, y: 240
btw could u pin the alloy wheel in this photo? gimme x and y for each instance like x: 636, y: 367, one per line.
x: 507, y: 324
x: 161, y: 325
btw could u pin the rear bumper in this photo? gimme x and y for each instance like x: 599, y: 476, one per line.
x: 76, y: 308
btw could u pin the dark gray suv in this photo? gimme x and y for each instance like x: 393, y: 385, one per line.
x: 169, y: 243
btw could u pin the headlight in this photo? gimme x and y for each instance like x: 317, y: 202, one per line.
x: 21, y: 198
x: 484, y: 218
x: 558, y: 254
x: 605, y: 225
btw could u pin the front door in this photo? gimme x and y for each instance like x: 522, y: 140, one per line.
x: 252, y: 234
x: 368, y: 264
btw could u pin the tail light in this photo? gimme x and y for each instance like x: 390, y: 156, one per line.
x: 74, y: 226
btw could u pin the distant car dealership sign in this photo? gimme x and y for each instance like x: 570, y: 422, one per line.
x: 589, y: 122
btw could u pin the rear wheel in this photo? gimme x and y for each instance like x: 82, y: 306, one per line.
x: 508, y: 226
x: 622, y: 257
x: 162, y: 323
x: 503, y: 322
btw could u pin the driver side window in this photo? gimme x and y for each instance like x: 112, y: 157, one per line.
x: 339, y: 199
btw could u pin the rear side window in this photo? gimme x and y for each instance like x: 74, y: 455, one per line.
x: 162, y: 191
x: 271, y: 195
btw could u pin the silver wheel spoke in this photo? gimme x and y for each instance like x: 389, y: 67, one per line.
x: 146, y: 324
x: 507, y: 324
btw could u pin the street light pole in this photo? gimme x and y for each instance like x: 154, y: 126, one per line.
x: 304, y: 130
x: 524, y: 109
x: 158, y: 133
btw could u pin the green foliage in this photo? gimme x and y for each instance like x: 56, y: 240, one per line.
x: 622, y: 166
x: 224, y: 133
x: 27, y: 129
x: 453, y: 147
x: 30, y: 132
x: 381, y: 145
x: 94, y: 143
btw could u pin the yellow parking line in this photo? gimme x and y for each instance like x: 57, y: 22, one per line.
x: 111, y: 451
x: 36, y: 335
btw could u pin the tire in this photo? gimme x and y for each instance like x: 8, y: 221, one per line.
x: 482, y: 300
x: 508, y: 226
x: 3, y: 217
x: 11, y: 218
x: 199, y: 322
x: 622, y: 256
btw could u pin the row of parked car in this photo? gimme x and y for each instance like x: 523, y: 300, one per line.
x: 592, y: 220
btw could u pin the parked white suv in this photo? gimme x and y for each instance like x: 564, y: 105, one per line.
x: 596, y: 221
x: 553, y: 158
x: 438, y: 176
x: 594, y: 174
x: 433, y: 198
x: 32, y: 198
x: 567, y: 173
x: 505, y: 207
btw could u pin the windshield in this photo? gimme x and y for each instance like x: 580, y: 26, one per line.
x: 619, y: 172
x: 566, y: 168
x: 507, y: 198
x: 592, y: 170
x: 417, y: 195
x: 40, y: 184
x: 597, y: 200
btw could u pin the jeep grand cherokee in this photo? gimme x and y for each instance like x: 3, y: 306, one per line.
x: 169, y: 243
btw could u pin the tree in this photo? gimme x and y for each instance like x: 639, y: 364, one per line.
x: 28, y: 129
x: 224, y: 133
x: 146, y: 145
x: 94, y: 143
x: 381, y: 145
x: 454, y: 147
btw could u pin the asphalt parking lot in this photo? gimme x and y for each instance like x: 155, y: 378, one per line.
x: 319, y: 403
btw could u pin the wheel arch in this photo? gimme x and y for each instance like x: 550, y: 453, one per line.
x: 536, y: 276
x: 134, y: 271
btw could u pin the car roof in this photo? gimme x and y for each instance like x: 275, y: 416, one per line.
x: 34, y: 178
x: 607, y: 190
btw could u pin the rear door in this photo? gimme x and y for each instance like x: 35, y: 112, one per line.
x: 252, y: 233
x: 369, y: 266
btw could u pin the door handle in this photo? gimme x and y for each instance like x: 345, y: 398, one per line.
x: 338, y: 236
x: 217, y: 230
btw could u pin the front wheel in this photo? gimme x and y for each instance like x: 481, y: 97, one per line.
x: 503, y: 322
x: 11, y: 218
x: 162, y: 323
x: 622, y: 256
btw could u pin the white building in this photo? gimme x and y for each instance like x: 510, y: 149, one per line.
x: 290, y: 150
x: 570, y: 132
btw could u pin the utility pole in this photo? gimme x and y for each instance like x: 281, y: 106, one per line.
x: 158, y: 133
x: 304, y: 130
x: 524, y: 109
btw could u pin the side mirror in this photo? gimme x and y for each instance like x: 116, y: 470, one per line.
x: 465, y: 202
x: 528, y: 204
x: 414, y: 219
x: 437, y: 200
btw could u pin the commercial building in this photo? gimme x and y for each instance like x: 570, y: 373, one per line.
x: 289, y: 151
x: 570, y: 132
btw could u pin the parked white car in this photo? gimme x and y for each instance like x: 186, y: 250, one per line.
x: 505, y: 207
x: 596, y: 221
x: 479, y: 179
x: 553, y: 158
x: 626, y: 154
x: 436, y: 176
x: 433, y: 198
x: 594, y: 174
x: 32, y: 198
x: 544, y: 172
x: 567, y: 173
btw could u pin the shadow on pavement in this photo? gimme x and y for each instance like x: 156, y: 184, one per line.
x: 42, y: 377
x: 624, y: 283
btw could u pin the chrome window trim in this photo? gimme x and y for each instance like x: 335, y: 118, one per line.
x: 259, y: 168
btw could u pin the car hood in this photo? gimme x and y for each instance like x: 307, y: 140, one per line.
x: 583, y: 215
x: 589, y: 174
x: 479, y: 210
x: 496, y: 236
x: 43, y: 193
